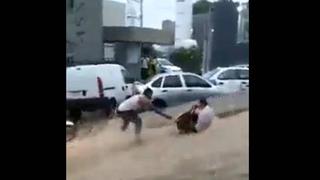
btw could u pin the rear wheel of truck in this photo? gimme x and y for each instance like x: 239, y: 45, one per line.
x: 110, y: 111
x: 159, y: 103
x: 75, y: 115
x: 71, y: 133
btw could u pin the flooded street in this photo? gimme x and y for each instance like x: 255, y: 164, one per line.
x: 221, y: 152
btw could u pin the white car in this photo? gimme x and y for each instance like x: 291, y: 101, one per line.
x: 242, y: 65
x: 165, y: 66
x: 229, y: 79
x: 174, y: 88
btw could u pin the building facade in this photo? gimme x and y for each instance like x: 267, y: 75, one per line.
x: 97, y: 31
x: 222, y: 34
x: 114, y: 14
x: 183, y: 21
x: 84, y: 30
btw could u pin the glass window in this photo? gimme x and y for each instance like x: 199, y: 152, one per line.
x: 210, y: 73
x: 157, y: 83
x: 228, y: 75
x: 243, y: 74
x: 172, y: 81
x: 126, y: 76
x: 165, y: 62
x: 194, y: 81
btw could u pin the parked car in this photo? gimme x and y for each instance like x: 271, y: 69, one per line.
x: 174, y: 88
x: 242, y: 65
x: 229, y: 79
x: 165, y: 66
x: 93, y: 87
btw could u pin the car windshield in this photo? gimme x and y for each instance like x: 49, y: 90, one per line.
x: 210, y: 73
x: 152, y: 78
x: 165, y: 62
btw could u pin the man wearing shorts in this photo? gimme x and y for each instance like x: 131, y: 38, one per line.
x: 129, y: 110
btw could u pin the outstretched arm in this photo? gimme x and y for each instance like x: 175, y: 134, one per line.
x: 147, y: 105
x: 158, y: 111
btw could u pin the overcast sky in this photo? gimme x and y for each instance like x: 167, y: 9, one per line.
x: 155, y: 11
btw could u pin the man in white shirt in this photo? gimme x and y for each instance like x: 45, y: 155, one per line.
x: 144, y: 68
x: 205, y: 116
x: 130, y: 108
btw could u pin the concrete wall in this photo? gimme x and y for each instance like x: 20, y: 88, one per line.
x: 84, y: 30
x: 128, y: 55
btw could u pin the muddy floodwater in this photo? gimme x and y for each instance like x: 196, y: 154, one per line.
x: 106, y: 153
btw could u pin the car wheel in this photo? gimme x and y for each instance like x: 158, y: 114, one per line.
x: 75, y: 115
x: 71, y: 133
x: 159, y: 103
x: 110, y: 111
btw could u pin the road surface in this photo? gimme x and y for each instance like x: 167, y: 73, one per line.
x: 220, y: 153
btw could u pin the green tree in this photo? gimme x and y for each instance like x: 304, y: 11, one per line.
x: 189, y: 60
x: 201, y: 6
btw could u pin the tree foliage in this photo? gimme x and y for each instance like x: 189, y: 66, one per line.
x: 201, y: 6
x: 189, y: 60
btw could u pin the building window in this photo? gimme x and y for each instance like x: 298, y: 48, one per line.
x: 70, y: 4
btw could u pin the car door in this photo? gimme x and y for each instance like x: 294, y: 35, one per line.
x: 228, y: 81
x: 156, y: 88
x: 129, y: 82
x: 244, y: 79
x: 197, y: 87
x: 171, y: 90
x: 113, y: 82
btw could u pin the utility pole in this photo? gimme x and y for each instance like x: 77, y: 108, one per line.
x: 141, y: 13
x: 141, y: 23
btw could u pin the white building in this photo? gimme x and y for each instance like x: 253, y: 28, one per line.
x: 133, y: 14
x: 114, y: 14
x: 243, y: 23
x: 183, y: 22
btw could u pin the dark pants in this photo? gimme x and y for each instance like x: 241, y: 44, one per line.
x: 130, y: 116
x: 144, y: 73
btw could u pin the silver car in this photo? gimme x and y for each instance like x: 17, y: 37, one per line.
x: 229, y: 79
x: 165, y: 66
x: 174, y: 88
